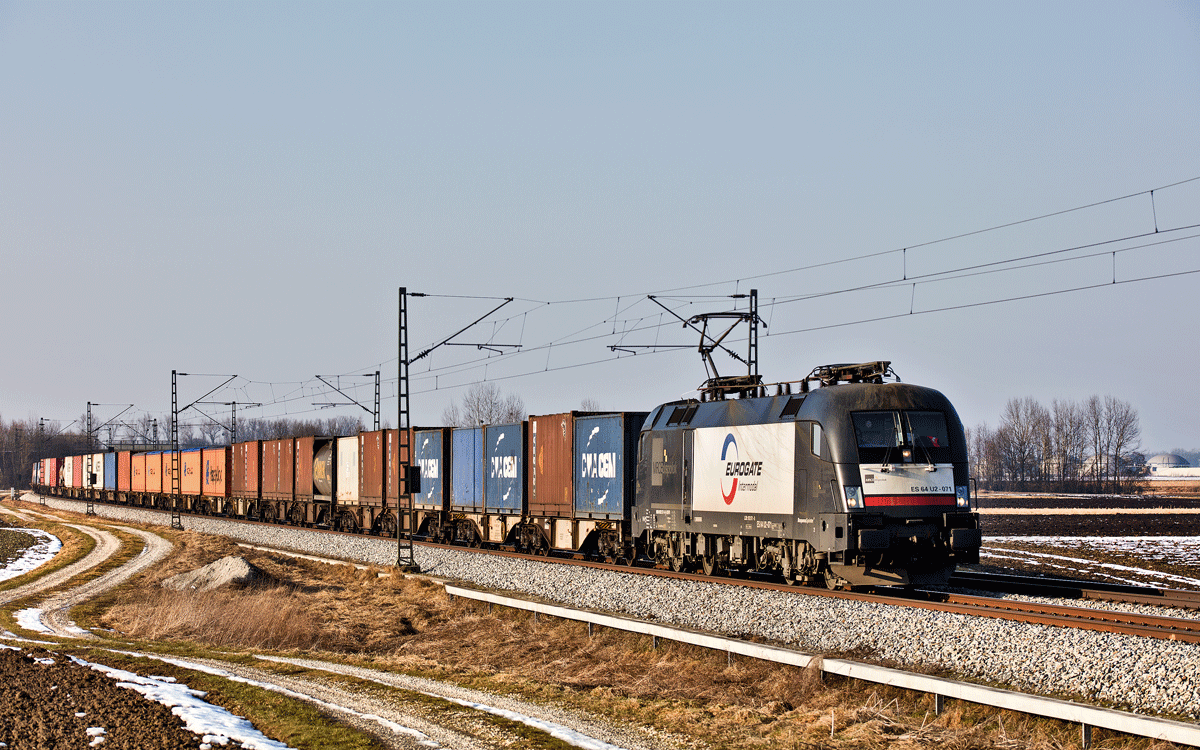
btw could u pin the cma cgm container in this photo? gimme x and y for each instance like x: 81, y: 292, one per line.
x: 504, y: 461
x: 466, y: 469
x: 431, y: 453
x: 606, y: 464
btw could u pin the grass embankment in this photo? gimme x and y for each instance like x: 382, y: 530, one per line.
x: 342, y: 614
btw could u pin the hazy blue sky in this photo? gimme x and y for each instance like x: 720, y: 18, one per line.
x: 240, y: 188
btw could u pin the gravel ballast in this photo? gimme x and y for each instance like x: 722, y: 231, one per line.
x: 1142, y: 674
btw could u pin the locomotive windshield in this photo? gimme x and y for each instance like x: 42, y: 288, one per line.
x: 902, y: 437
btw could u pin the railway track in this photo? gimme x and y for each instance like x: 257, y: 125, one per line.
x: 1068, y: 588
x: 1087, y: 618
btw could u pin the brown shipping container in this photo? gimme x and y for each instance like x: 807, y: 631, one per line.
x: 304, y: 468
x: 551, y: 464
x: 124, y: 475
x: 191, y: 467
x: 137, y: 473
x: 394, y: 462
x: 278, y: 475
x: 245, y: 469
x: 370, y: 468
x: 216, y: 472
x: 77, y: 472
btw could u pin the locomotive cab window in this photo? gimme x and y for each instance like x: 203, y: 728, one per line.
x: 902, y: 437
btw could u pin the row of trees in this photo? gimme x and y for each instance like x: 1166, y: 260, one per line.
x: 1070, y: 446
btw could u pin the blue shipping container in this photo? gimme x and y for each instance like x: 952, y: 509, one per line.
x: 428, y: 454
x: 466, y: 469
x: 606, y: 464
x: 504, y: 468
x: 110, y: 471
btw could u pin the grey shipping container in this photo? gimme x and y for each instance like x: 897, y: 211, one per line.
x: 466, y: 469
x: 504, y: 468
x: 431, y: 452
x: 606, y: 464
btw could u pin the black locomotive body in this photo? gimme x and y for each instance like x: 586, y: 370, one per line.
x: 854, y: 484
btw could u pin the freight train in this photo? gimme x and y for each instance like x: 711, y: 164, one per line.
x: 854, y: 483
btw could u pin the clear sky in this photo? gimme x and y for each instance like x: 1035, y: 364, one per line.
x: 241, y: 188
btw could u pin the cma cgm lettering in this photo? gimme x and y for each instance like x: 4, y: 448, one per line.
x: 429, y: 467
x: 599, y: 465
x: 504, y: 467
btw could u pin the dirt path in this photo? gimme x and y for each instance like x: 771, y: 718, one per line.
x: 106, y: 546
x: 56, y: 609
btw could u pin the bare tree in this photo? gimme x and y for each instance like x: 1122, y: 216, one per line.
x: 483, y: 403
x: 1125, y: 431
x: 590, y: 404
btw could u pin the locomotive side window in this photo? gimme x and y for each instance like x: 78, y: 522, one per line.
x: 816, y: 439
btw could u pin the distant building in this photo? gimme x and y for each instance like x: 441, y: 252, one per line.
x: 1170, y: 465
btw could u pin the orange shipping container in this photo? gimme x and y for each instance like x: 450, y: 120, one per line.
x: 124, y: 476
x: 191, y: 472
x: 137, y: 473
x: 216, y: 472
x: 154, y: 465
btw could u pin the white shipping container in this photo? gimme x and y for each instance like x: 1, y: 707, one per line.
x: 347, y: 470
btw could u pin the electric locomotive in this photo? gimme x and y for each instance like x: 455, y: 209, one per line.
x: 856, y: 483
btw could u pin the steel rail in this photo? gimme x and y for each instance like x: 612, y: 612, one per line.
x: 1084, y: 618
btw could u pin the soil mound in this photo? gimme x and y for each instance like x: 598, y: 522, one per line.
x: 232, y: 569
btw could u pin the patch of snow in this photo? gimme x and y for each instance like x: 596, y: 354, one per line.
x: 40, y: 553
x: 31, y: 619
x: 97, y: 735
x: 213, y: 723
x: 422, y: 738
x: 1167, y: 549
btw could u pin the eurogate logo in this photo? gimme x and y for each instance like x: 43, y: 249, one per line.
x: 736, y: 468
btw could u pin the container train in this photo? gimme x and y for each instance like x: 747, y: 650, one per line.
x: 854, y: 483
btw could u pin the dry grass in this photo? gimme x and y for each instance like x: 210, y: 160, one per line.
x: 342, y: 613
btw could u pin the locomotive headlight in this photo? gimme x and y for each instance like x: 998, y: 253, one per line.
x: 854, y: 498
x: 963, y: 497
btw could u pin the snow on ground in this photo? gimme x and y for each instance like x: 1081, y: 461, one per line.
x: 31, y: 619
x: 1170, y: 550
x: 41, y: 552
x: 214, y: 724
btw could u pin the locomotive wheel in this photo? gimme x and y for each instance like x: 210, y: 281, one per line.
x: 835, y: 583
x: 711, y: 566
x: 678, y: 564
